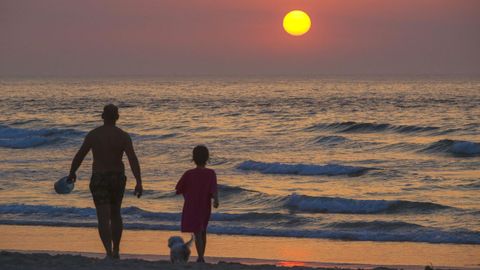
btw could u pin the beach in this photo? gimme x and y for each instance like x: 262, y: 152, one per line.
x: 152, y: 245
x: 10, y: 261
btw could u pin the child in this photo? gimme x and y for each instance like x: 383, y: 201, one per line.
x: 198, y: 187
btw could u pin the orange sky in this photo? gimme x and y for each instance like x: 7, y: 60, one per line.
x: 147, y: 37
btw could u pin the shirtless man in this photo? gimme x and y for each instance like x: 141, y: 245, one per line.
x: 107, y: 184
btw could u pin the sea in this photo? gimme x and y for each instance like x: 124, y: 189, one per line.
x: 346, y: 158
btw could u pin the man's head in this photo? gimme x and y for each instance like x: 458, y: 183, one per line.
x: 110, y: 113
x: 200, y: 155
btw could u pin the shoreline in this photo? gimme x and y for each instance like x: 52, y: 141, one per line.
x: 74, y: 261
x: 252, y: 250
x: 78, y: 260
x: 219, y: 260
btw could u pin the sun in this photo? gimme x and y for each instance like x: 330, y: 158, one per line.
x: 296, y: 23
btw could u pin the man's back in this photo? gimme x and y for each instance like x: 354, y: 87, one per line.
x: 107, y: 184
x: 108, y: 143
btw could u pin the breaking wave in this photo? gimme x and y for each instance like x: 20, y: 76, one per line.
x: 350, y: 206
x: 22, y: 138
x: 454, y: 147
x: 301, y: 169
x: 351, y: 127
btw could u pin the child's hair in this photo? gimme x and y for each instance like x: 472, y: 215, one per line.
x: 200, y: 155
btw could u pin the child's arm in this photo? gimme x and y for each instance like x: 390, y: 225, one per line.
x: 214, y: 191
x: 180, y: 187
x: 215, y: 200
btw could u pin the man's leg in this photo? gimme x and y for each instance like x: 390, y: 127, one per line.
x: 104, y: 229
x: 117, y: 229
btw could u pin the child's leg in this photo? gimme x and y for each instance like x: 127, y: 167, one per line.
x: 200, y: 243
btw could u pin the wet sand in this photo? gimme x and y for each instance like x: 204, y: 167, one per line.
x: 151, y: 246
x: 35, y: 261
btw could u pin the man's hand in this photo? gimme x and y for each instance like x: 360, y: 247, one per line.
x: 72, y: 178
x: 138, y: 190
x: 215, y: 204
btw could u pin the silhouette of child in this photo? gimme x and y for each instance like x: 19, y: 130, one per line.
x: 198, y: 186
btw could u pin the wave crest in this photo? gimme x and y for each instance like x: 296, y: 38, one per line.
x: 301, y: 169
x: 455, y: 147
x: 305, y: 203
x: 351, y: 127
x: 330, y: 140
x: 21, y: 138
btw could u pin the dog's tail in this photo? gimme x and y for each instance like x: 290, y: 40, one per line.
x: 189, y: 243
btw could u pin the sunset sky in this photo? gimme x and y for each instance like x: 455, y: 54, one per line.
x: 172, y: 37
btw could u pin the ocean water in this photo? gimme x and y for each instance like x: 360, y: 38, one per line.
x: 334, y: 158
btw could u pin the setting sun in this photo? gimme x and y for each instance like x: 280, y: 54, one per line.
x: 296, y: 23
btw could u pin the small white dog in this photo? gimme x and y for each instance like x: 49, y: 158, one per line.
x: 179, y: 250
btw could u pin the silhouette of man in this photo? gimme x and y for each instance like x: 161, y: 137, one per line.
x: 107, y: 184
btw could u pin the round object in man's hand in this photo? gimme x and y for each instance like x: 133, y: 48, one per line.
x: 64, y: 186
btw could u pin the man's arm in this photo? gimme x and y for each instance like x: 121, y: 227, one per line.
x: 135, y: 166
x: 77, y: 160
